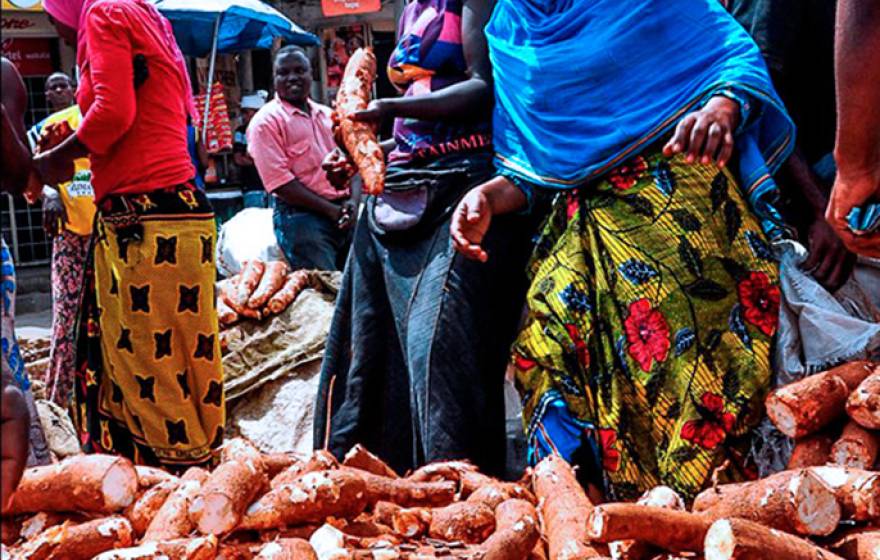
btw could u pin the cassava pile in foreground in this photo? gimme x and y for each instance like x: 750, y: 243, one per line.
x: 259, y: 506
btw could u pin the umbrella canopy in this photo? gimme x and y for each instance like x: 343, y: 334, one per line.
x: 243, y: 24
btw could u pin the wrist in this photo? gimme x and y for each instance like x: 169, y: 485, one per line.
x: 502, y: 195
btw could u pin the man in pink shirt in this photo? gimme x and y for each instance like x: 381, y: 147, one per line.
x: 288, y: 140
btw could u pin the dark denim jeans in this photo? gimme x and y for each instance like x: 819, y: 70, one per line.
x: 309, y: 241
x: 420, y: 341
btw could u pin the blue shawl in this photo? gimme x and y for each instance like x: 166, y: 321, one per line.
x: 583, y: 85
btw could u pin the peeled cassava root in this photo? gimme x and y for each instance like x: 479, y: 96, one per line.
x: 794, y: 501
x: 359, y: 138
x: 87, y: 483
x: 564, y: 510
x: 79, y: 541
x: 739, y: 539
x: 863, y: 405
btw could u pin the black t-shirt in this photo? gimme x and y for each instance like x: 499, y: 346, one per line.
x: 250, y: 179
x: 796, y: 38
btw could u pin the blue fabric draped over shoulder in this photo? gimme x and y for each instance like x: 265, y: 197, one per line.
x: 583, y: 85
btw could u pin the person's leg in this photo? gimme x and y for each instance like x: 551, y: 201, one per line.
x: 363, y: 366
x: 69, y: 252
x: 308, y: 241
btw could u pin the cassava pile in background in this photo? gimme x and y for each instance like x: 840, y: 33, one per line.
x: 258, y: 291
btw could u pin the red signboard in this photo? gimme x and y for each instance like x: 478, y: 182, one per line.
x: 32, y: 57
x: 347, y: 7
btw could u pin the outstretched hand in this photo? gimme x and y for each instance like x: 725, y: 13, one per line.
x: 470, y: 222
x: 849, y: 192
x: 706, y: 135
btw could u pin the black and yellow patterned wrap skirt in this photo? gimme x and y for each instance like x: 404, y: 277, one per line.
x: 149, y: 377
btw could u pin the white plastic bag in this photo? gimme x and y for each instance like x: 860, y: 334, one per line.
x: 248, y: 235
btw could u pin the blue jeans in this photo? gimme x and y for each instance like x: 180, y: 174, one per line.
x: 308, y: 241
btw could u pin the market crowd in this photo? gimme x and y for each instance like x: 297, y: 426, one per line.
x: 599, y: 195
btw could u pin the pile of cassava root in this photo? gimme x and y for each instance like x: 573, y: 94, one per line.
x: 266, y: 506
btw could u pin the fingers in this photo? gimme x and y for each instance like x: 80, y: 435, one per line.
x: 680, y: 139
x: 713, y: 142
x: 698, y: 138
x: 726, y: 149
x: 462, y: 235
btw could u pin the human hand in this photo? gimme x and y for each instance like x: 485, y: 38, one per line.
x: 829, y: 262
x: 54, y: 213
x: 14, y: 424
x: 470, y: 222
x: 339, y: 169
x: 53, y: 168
x: 850, y: 191
x: 706, y: 135
x: 375, y: 114
x: 347, y: 216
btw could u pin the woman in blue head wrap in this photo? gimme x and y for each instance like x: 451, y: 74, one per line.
x: 653, y: 303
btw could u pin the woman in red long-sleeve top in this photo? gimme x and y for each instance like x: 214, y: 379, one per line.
x: 149, y: 382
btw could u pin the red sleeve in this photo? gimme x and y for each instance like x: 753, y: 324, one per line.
x: 112, y: 76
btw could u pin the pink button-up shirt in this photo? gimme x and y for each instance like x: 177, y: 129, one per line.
x: 287, y: 143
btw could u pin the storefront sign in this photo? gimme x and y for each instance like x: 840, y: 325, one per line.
x: 26, y: 5
x: 26, y: 24
x: 347, y: 7
x: 32, y: 57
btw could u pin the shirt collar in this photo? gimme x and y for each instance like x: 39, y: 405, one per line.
x: 291, y: 110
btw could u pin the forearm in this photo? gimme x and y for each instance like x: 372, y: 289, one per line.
x: 17, y: 158
x: 803, y: 186
x: 857, y: 50
x: 463, y: 101
x: 297, y: 194
x: 503, y: 196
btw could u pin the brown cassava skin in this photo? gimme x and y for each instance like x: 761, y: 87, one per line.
x: 198, y: 474
x: 79, y: 541
x: 240, y: 449
x: 309, y: 499
x: 148, y: 504
x: 172, y: 521
x: 226, y: 494
x: 319, y: 461
x: 151, y: 476
x: 295, y: 283
x: 411, y: 523
x: 75, y: 484
x: 201, y: 548
x: 461, y: 521
x: 442, y: 470
x: 856, y: 448
x: 811, y: 451
x: 359, y: 138
x: 853, y: 373
x: 667, y: 529
x: 516, y: 531
x: 10, y: 530
x: 863, y: 404
x: 662, y: 497
x: 864, y: 545
x: 857, y: 490
x: 287, y: 549
x: 405, y: 492
x: 272, y: 280
x: 806, y: 406
x: 490, y: 496
x: 383, y: 512
x: 564, y: 510
x: 248, y: 280
x: 359, y: 458
x: 275, y: 463
x: 744, y: 540
x: 776, y: 502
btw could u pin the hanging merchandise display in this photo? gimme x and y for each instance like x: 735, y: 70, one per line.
x: 219, y: 132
